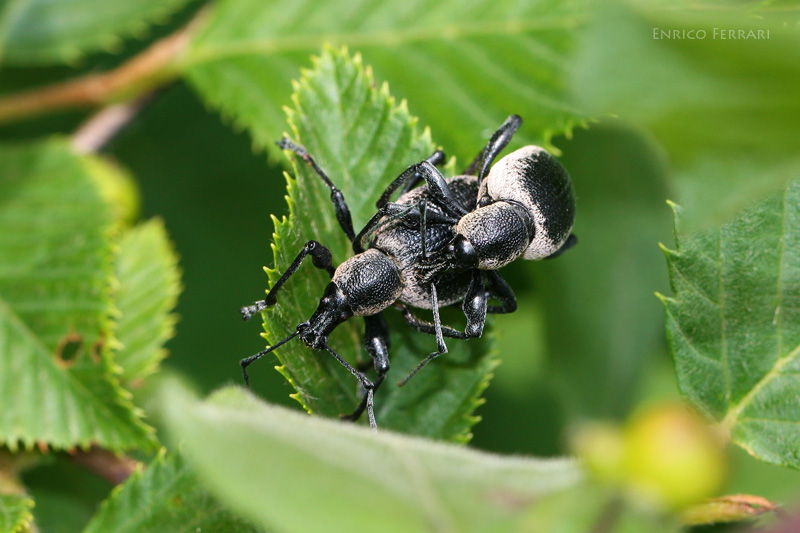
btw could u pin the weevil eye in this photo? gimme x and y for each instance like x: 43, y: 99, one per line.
x: 462, y: 251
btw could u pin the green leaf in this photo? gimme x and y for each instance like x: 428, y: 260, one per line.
x: 292, y: 472
x: 593, y: 507
x: 56, y: 380
x: 638, y: 60
x: 466, y: 66
x: 46, y: 32
x: 726, y: 110
x: 604, y: 328
x: 364, y: 141
x: 15, y: 513
x: 149, y: 282
x: 165, y: 496
x: 734, y: 325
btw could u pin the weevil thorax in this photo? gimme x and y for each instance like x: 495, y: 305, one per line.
x: 370, y: 282
x: 532, y: 193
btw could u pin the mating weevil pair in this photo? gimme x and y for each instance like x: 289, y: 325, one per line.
x: 438, y: 244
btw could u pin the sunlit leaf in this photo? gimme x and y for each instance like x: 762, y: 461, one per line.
x: 149, y: 281
x: 56, y: 382
x: 15, y: 513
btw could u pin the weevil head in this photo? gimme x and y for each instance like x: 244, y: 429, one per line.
x: 332, y: 310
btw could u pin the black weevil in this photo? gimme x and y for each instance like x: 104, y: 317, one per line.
x: 438, y: 244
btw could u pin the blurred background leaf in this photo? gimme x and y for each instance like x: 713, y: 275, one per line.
x: 725, y: 109
x: 164, y: 496
x: 471, y: 63
x: 42, y: 32
x: 259, y: 458
x: 15, y: 513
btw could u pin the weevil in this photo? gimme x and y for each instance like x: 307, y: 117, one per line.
x: 441, y: 242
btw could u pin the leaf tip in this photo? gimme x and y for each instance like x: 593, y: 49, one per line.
x: 662, y: 298
x: 668, y: 252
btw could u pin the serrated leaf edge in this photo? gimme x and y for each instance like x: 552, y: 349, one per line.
x: 175, y: 285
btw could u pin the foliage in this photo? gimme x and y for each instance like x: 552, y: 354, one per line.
x: 164, y: 496
x: 43, y: 32
x: 88, y: 294
x: 400, y: 483
x: 147, y: 273
x: 243, y: 59
x: 15, y: 513
x: 734, y: 325
x: 56, y: 285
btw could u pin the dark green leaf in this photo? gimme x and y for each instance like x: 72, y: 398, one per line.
x: 734, y: 325
x: 56, y: 381
x: 363, y: 141
x: 604, y: 326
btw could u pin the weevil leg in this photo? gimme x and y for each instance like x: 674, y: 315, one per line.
x: 376, y: 341
x: 429, y: 327
x: 438, y: 331
x: 365, y: 382
x: 475, y: 305
x: 436, y: 159
x: 408, y: 213
x: 368, y: 399
x: 439, y: 190
x: 423, y: 228
x: 499, y: 140
x: 437, y: 187
x: 498, y: 288
x: 339, y: 203
x: 408, y: 179
x: 320, y: 258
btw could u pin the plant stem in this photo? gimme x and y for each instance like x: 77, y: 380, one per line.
x: 115, y: 468
x: 143, y: 73
x: 99, y: 129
